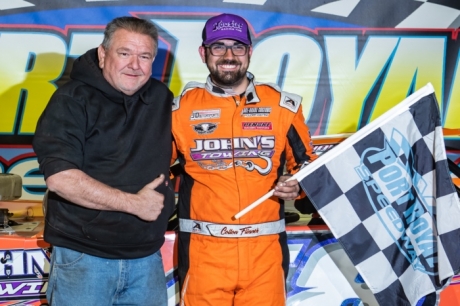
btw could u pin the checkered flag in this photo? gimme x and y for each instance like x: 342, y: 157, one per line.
x: 387, y: 196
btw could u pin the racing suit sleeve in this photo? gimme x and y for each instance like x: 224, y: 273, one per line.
x: 173, y: 152
x: 174, y: 168
x: 299, y: 147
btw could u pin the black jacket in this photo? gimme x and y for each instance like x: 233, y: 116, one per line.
x: 122, y: 141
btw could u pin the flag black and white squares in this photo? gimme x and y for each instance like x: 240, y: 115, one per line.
x: 387, y: 196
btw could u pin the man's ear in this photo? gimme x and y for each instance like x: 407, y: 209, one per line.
x: 202, y: 51
x: 101, y: 56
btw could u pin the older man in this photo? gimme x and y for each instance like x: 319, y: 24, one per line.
x: 233, y: 137
x: 103, y: 144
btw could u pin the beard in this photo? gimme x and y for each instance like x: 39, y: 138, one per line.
x: 227, y: 78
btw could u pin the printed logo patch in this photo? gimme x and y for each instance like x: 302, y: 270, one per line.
x: 205, y: 128
x: 256, y: 111
x: 266, y: 126
x: 251, y: 153
x: 197, y: 227
x: 205, y: 114
x: 227, y: 26
x: 289, y: 103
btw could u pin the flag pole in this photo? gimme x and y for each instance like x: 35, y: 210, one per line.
x: 259, y: 201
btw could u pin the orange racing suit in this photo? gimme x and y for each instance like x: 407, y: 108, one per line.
x: 233, y: 148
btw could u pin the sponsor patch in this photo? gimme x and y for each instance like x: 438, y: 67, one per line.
x: 205, y: 114
x: 205, y: 128
x: 256, y: 111
x: 289, y: 103
x: 251, y: 153
x: 266, y: 126
x: 196, y: 227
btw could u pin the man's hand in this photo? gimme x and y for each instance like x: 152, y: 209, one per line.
x: 287, y: 190
x: 149, y: 203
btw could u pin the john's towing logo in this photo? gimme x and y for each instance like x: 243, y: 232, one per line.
x: 400, y: 198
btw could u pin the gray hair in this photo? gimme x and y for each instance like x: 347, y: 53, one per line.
x: 131, y: 24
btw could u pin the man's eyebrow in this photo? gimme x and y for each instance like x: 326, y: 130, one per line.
x: 123, y: 49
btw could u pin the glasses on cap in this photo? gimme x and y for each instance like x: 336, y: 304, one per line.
x: 221, y: 49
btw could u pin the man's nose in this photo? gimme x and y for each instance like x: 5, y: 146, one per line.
x: 134, y: 62
x: 228, y: 53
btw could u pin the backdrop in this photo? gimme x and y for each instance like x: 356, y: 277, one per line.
x: 350, y: 60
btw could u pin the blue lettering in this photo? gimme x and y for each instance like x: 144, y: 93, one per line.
x: 395, y: 219
x: 390, y: 173
x: 414, y: 212
x: 374, y: 186
x: 383, y: 200
x: 363, y: 172
x: 386, y: 156
x: 405, y: 198
x: 418, y: 225
x: 398, y: 186
x: 407, y: 243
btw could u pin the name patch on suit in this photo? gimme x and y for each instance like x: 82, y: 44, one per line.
x: 256, y: 111
x: 205, y: 114
x: 266, y: 126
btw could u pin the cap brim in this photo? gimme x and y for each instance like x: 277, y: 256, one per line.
x: 213, y: 40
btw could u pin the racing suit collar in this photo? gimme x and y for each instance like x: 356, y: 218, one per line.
x: 250, y: 93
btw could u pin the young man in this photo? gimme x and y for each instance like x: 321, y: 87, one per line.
x: 233, y: 137
x: 103, y: 144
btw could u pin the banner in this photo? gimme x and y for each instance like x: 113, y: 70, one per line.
x: 351, y: 61
x: 387, y: 196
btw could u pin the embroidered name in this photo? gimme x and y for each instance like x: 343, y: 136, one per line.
x: 233, y: 26
x: 257, y: 126
x: 256, y: 111
x: 249, y: 230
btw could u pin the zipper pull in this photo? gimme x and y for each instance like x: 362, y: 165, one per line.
x: 237, y: 101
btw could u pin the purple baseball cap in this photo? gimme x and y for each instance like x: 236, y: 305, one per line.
x: 226, y: 26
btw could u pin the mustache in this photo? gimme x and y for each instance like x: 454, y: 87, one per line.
x: 228, y: 62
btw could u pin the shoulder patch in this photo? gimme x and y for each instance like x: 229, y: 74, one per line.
x: 188, y: 86
x: 290, y: 101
